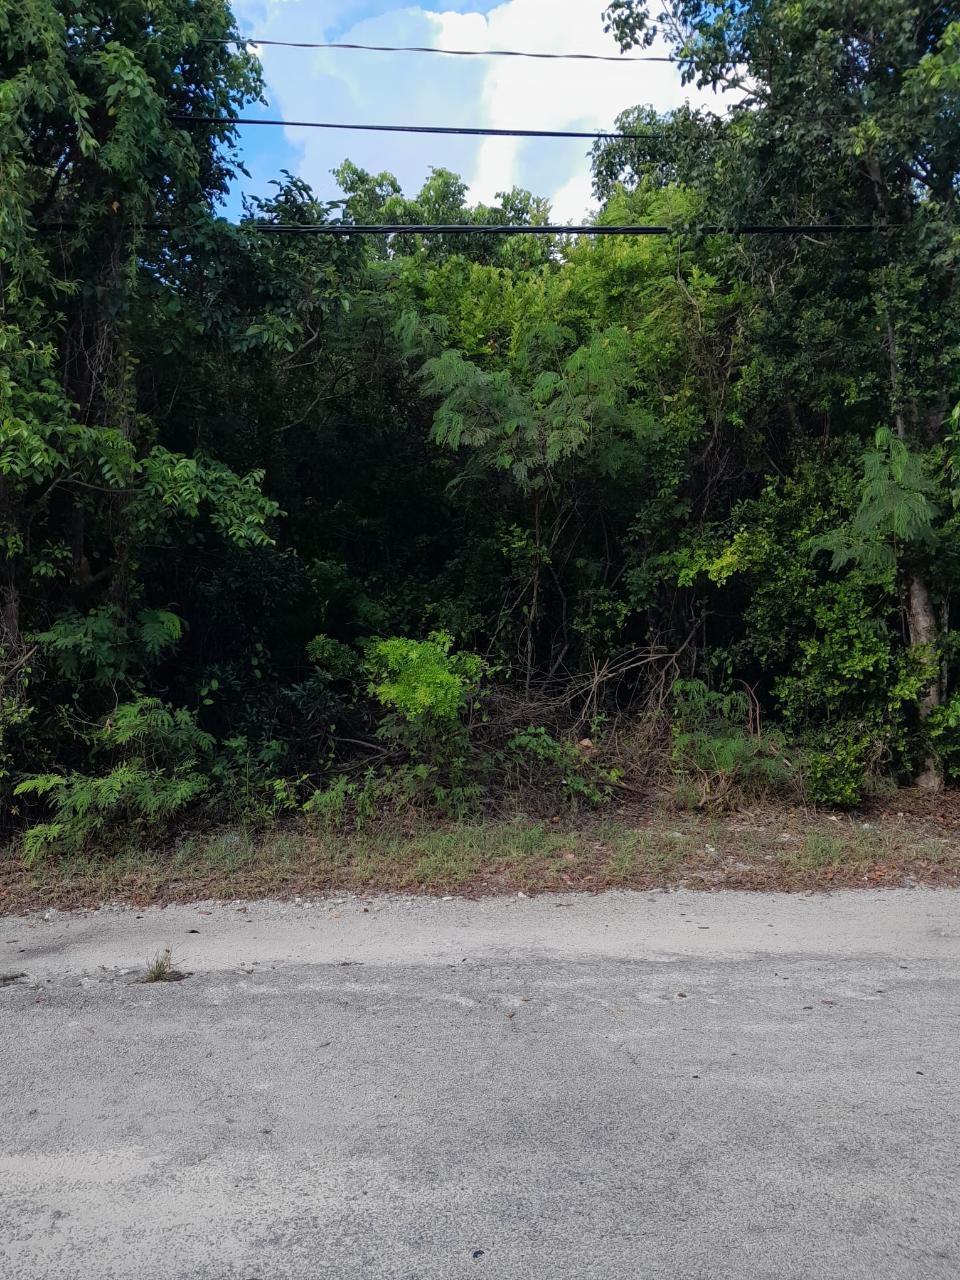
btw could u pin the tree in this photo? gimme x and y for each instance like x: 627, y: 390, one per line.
x: 442, y: 201
x: 844, y: 113
x: 597, y: 399
x: 95, y: 146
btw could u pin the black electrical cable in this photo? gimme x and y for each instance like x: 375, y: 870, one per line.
x: 457, y: 53
x: 475, y: 228
x: 414, y: 128
x: 586, y: 229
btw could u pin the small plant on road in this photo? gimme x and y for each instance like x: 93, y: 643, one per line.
x: 160, y: 969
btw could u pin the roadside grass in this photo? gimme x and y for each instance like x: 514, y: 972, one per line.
x: 762, y: 850
x: 816, y: 852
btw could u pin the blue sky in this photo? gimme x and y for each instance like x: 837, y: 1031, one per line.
x: 305, y: 84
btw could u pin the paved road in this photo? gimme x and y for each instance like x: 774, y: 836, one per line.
x: 625, y: 1087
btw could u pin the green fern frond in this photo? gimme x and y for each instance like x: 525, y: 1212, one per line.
x: 38, y: 839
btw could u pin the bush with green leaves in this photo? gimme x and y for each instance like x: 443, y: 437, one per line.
x: 333, y: 661
x: 104, y: 645
x: 15, y: 712
x: 839, y: 762
x: 248, y: 781
x: 156, y: 764
x: 537, y: 761
x: 853, y: 702
x: 720, y: 755
x: 848, y: 659
x: 425, y: 681
x: 429, y: 692
x: 943, y: 727
x: 330, y: 805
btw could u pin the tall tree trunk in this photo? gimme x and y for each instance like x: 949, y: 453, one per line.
x: 11, y: 641
x: 922, y: 625
x: 98, y: 377
x: 924, y: 630
x: 534, y: 597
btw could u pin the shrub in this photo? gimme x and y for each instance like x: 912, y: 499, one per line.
x: 103, y: 646
x: 333, y: 661
x: 159, y: 768
x: 536, y: 758
x: 344, y: 801
x: 943, y: 727
x: 719, y: 753
x: 834, y: 778
x: 421, y: 679
x: 15, y: 712
x: 329, y: 804
x: 428, y: 691
x: 844, y: 760
x: 250, y: 780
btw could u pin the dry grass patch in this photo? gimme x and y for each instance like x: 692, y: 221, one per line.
x: 761, y: 849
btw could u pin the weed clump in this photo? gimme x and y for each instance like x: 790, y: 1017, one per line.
x: 160, y: 969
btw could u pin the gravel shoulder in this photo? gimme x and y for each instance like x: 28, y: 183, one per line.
x: 212, y: 936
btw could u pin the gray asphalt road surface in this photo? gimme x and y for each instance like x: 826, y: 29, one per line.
x: 622, y: 1087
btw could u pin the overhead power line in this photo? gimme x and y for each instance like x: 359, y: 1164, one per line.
x: 479, y: 228
x: 558, y: 229
x: 414, y: 128
x: 457, y: 53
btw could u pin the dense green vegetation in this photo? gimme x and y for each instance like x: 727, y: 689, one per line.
x: 302, y: 523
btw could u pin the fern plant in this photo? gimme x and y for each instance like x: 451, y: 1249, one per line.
x: 160, y: 754
x: 897, y: 508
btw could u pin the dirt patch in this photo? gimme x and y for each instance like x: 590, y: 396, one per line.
x: 916, y: 842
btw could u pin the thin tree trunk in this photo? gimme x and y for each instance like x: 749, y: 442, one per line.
x: 534, y: 597
x: 10, y: 613
x: 98, y: 377
x: 11, y: 641
x: 922, y: 624
x: 924, y: 631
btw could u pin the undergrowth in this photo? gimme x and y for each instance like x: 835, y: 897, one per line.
x: 443, y: 757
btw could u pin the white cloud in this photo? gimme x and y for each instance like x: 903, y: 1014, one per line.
x: 573, y: 200
x: 559, y: 95
x: 425, y: 89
